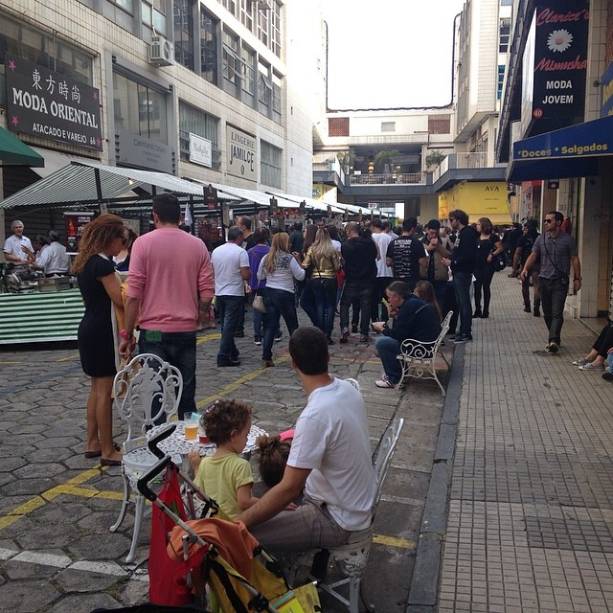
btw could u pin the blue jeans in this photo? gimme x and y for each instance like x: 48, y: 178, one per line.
x: 229, y: 308
x: 610, y: 363
x: 179, y: 350
x: 278, y: 302
x: 461, y: 285
x: 388, y: 349
x: 324, y: 303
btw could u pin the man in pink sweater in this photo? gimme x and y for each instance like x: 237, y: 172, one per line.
x: 170, y: 288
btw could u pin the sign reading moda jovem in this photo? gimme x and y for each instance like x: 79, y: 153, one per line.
x: 52, y: 105
x: 560, y: 63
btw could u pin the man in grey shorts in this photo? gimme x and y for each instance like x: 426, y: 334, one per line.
x: 330, y: 462
x: 556, y: 252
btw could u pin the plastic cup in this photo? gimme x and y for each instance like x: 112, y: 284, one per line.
x: 191, y: 431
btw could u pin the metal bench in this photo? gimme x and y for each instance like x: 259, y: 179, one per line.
x: 418, y: 359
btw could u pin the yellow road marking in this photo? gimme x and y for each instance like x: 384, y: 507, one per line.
x: 393, y: 541
x: 208, y: 337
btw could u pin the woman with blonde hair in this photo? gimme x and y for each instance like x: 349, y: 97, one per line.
x: 102, y: 239
x: 279, y: 268
x: 322, y: 261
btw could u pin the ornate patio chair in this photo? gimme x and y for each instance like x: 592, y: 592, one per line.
x: 418, y: 359
x: 146, y: 391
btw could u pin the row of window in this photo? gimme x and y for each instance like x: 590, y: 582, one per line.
x: 261, y: 17
x: 243, y: 74
x: 437, y: 124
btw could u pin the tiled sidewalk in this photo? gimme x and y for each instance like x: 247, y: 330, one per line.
x: 531, y: 506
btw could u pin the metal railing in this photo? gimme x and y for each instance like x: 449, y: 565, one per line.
x: 387, y: 178
x: 462, y: 160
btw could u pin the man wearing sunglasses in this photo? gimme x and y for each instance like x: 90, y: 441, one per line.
x: 556, y: 252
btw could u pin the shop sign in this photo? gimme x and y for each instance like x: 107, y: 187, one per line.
x: 241, y: 149
x: 560, y: 64
x: 200, y: 150
x: 52, y: 105
x: 75, y: 223
x: 143, y: 152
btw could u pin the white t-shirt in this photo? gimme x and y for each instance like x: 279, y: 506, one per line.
x: 382, y: 240
x: 13, y: 244
x: 227, y: 261
x: 331, y: 439
x: 53, y: 259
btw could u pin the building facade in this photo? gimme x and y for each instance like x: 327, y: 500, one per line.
x: 206, y: 90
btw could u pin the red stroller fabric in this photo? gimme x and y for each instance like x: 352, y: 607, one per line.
x: 167, y: 584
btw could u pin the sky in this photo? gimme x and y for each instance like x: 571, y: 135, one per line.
x: 390, y: 53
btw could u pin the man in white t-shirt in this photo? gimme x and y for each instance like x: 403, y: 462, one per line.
x: 231, y: 266
x: 14, y: 245
x: 384, y: 272
x: 330, y: 460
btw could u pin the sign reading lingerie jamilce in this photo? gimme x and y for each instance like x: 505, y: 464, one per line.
x: 52, y: 105
x: 559, y: 64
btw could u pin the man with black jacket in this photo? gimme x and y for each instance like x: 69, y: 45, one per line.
x: 463, y: 259
x: 359, y: 262
x: 412, y: 318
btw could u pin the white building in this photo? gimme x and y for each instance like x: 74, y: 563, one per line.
x: 223, y: 73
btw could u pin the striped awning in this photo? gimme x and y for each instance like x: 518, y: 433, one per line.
x: 76, y: 184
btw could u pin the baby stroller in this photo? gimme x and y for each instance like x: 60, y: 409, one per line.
x: 223, y: 568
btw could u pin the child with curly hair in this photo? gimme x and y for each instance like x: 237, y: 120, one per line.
x: 273, y: 452
x: 225, y: 476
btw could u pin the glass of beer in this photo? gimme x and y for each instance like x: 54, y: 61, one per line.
x: 191, y: 427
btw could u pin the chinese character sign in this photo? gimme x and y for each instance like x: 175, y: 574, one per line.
x: 52, y: 105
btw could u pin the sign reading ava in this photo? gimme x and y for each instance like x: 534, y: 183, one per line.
x: 241, y: 150
x: 52, y: 105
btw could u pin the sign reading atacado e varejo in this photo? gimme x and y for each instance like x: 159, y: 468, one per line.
x: 241, y: 149
x: 52, y: 105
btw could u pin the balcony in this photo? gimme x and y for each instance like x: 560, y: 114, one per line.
x: 466, y: 166
x: 404, y: 178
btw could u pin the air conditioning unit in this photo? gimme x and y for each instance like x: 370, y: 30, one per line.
x: 161, y: 52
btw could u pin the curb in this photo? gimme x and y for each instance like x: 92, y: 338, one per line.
x: 424, y: 584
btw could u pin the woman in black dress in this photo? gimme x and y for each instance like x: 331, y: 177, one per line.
x: 489, y: 247
x: 102, y: 239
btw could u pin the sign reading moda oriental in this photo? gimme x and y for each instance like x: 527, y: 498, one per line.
x: 52, y: 105
x: 241, y: 149
x: 560, y: 64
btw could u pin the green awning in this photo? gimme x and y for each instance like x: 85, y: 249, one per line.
x: 15, y: 153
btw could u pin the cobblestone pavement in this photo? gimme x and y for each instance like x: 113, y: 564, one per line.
x: 56, y: 551
x: 531, y: 511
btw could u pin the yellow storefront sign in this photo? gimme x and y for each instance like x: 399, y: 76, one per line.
x: 478, y: 199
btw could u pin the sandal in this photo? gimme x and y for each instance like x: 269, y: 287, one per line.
x: 97, y: 454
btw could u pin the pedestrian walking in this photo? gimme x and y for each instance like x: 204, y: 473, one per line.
x: 384, y: 272
x: 406, y: 253
x: 279, y: 268
x: 101, y: 240
x: 463, y: 258
x: 170, y: 289
x: 256, y: 254
x: 359, y: 257
x: 556, y: 252
x: 489, y: 248
x: 522, y: 253
x: 322, y: 262
x: 245, y: 224
x: 231, y: 266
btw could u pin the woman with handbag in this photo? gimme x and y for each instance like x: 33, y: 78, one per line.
x: 322, y: 261
x: 279, y: 268
x: 256, y: 255
x: 488, y: 250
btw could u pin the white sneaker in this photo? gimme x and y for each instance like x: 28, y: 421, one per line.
x: 385, y: 383
x: 580, y: 362
x: 591, y: 366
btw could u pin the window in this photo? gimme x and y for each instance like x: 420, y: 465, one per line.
x: 388, y: 126
x: 200, y: 123
x: 263, y: 24
x: 231, y: 5
x: 500, y: 81
x: 248, y: 65
x: 139, y: 109
x: 505, y: 34
x: 153, y: 17
x: 270, y: 166
x: 232, y: 63
x: 276, y: 29
x: 247, y: 13
x: 184, y: 32
x: 208, y: 45
x: 264, y: 89
x: 439, y: 124
x: 277, y: 103
x: 338, y: 126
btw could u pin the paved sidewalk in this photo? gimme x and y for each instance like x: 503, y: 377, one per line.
x: 530, y: 524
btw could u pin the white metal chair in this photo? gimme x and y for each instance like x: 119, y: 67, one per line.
x: 144, y: 391
x: 418, y: 359
x: 351, y: 559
